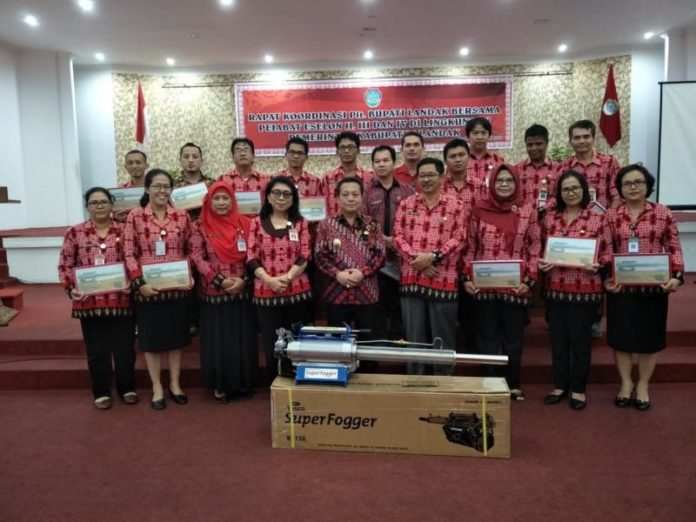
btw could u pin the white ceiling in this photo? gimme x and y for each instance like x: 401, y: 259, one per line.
x: 312, y: 33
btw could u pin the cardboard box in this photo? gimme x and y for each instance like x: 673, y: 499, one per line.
x: 459, y: 416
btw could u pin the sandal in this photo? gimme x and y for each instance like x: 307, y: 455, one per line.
x: 517, y: 395
x: 102, y: 403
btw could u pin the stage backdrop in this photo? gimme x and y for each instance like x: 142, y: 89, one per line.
x: 202, y: 107
x: 379, y: 110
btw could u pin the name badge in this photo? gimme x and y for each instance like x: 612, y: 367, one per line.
x: 241, y: 244
x: 293, y: 235
x: 543, y: 195
x: 160, y: 248
x: 593, y: 194
x: 99, y: 259
x: 633, y: 245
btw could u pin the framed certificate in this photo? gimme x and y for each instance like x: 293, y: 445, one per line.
x: 168, y: 276
x: 642, y: 269
x: 497, y: 274
x: 248, y: 202
x: 126, y: 198
x: 570, y: 251
x: 313, y: 209
x: 189, y: 196
x: 101, y: 279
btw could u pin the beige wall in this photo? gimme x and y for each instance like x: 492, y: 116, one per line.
x: 205, y: 114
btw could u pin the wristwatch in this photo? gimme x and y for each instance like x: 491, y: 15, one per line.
x: 437, y: 256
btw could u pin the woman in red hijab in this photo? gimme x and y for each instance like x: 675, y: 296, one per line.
x: 503, y: 228
x: 228, y: 338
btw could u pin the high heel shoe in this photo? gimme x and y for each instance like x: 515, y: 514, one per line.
x: 555, y: 398
x: 622, y: 402
x: 158, y: 405
x: 641, y: 405
x: 181, y: 398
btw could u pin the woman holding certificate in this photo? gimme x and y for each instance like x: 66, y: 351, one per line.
x: 572, y: 290
x: 155, y: 244
x: 647, y: 265
x: 105, y: 316
x: 503, y: 239
x: 218, y: 250
x: 278, y: 251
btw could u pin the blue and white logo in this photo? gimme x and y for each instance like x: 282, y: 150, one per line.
x: 373, y: 97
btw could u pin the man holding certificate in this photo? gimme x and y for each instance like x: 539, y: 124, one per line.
x: 502, y: 229
x: 248, y: 183
x: 642, y: 233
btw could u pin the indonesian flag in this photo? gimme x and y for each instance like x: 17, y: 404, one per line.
x: 610, y: 119
x: 141, y: 125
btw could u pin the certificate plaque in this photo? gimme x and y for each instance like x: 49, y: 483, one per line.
x: 497, y: 274
x: 189, y: 196
x: 642, y: 269
x: 313, y: 209
x: 248, y: 202
x: 168, y: 276
x: 570, y: 251
x: 126, y: 198
x: 101, y: 279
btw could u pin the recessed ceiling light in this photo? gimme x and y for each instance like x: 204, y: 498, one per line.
x: 562, y: 48
x: 31, y: 20
x: 268, y: 58
x: 100, y: 56
x: 226, y: 3
x: 368, y: 55
x: 86, y: 5
x: 648, y: 35
x: 171, y: 61
x: 464, y: 51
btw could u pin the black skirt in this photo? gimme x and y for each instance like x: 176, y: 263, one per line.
x: 637, y: 322
x: 229, y: 356
x: 163, y: 325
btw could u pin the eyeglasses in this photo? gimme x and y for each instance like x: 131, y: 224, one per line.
x: 296, y: 153
x: 281, y: 194
x: 100, y: 203
x: 160, y: 188
x: 505, y: 181
x: 427, y: 176
x: 633, y: 183
x: 571, y: 190
x: 347, y: 148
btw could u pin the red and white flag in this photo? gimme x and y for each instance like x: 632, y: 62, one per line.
x: 610, y: 119
x: 141, y: 126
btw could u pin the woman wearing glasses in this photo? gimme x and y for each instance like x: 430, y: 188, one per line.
x: 637, y: 315
x: 158, y: 233
x: 501, y: 228
x: 278, y: 251
x: 106, y: 319
x: 572, y: 294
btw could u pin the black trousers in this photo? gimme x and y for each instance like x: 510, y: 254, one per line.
x: 387, y: 323
x: 360, y: 317
x: 500, y: 331
x: 571, y: 343
x: 270, y: 319
x: 466, y: 314
x: 107, y: 338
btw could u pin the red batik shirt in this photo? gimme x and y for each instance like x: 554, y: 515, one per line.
x: 487, y: 243
x: 479, y: 169
x: 143, y: 230
x: 468, y: 193
x: 575, y: 284
x: 272, y: 249
x: 210, y: 269
x: 330, y: 180
x: 341, y: 246
x: 600, y: 174
x: 417, y: 229
x: 81, y: 246
x: 533, y: 179
x: 403, y: 176
x: 655, y: 228
x: 253, y: 183
x: 307, y: 185
x: 128, y: 184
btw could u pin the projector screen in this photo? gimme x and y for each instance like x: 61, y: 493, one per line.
x: 676, y: 172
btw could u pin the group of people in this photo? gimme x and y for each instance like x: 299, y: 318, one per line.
x: 394, y: 258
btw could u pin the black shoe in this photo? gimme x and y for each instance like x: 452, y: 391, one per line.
x: 641, y: 405
x: 622, y: 402
x: 555, y: 398
x: 159, y: 405
x: 179, y: 399
x: 221, y: 398
x: 577, y: 404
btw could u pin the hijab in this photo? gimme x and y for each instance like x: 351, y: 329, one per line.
x: 223, y: 231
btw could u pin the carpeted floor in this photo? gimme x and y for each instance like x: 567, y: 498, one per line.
x: 61, y: 460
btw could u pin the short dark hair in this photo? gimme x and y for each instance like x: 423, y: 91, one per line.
x: 380, y: 148
x: 560, y: 204
x: 190, y: 144
x: 136, y: 151
x: 294, y: 211
x: 297, y: 141
x: 582, y: 124
x: 453, y: 144
x: 348, y: 136
x: 148, y: 181
x: 349, y: 179
x: 537, y: 131
x: 649, y: 178
x: 473, y: 122
x: 439, y: 166
x: 94, y: 190
x: 412, y: 133
x: 237, y: 141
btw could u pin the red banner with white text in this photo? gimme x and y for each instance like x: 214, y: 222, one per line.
x: 380, y: 111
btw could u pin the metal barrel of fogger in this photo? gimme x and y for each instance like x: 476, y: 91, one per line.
x: 425, y: 356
